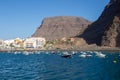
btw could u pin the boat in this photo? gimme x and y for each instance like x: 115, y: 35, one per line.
x: 66, y: 55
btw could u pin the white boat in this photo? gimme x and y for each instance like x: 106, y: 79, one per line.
x: 99, y: 54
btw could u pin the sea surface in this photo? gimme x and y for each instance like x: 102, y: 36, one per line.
x: 51, y: 65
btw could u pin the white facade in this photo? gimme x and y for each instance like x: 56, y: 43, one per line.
x: 7, y: 43
x: 18, y: 43
x: 12, y: 42
x: 34, y: 42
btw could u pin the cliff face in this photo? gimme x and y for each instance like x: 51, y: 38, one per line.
x: 111, y: 35
x: 106, y: 30
x: 61, y: 26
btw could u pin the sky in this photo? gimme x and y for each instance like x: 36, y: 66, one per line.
x: 21, y: 18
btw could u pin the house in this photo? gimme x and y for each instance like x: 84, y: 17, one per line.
x: 64, y: 39
x: 72, y: 39
x: 8, y: 43
x: 18, y: 43
x: 34, y: 42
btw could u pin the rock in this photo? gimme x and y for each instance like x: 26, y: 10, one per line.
x: 61, y: 26
x: 106, y: 30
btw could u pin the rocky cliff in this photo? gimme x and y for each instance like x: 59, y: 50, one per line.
x: 106, y: 30
x: 61, y: 26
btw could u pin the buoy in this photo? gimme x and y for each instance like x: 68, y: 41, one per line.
x: 114, y: 61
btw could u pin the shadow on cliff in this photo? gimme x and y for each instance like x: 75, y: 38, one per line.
x: 96, y: 31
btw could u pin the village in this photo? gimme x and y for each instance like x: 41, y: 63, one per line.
x: 22, y: 44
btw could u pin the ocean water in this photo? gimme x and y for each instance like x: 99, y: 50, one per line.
x: 51, y: 66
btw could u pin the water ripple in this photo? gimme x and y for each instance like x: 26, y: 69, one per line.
x: 49, y: 66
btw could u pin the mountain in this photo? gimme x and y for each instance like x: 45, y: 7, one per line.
x: 106, y: 30
x: 61, y: 26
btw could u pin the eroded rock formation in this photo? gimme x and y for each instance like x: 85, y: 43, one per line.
x: 61, y: 26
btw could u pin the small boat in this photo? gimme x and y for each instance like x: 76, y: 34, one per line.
x: 26, y: 53
x: 53, y: 52
x: 82, y: 55
x: 66, y: 55
x: 99, y: 54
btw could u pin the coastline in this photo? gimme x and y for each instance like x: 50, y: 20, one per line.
x: 85, y: 49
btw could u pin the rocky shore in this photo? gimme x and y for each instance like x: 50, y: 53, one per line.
x: 90, y: 48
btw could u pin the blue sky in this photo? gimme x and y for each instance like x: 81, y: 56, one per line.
x: 20, y: 18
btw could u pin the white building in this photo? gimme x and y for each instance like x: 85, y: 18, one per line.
x: 8, y: 43
x: 18, y: 43
x: 34, y: 42
x: 13, y: 43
